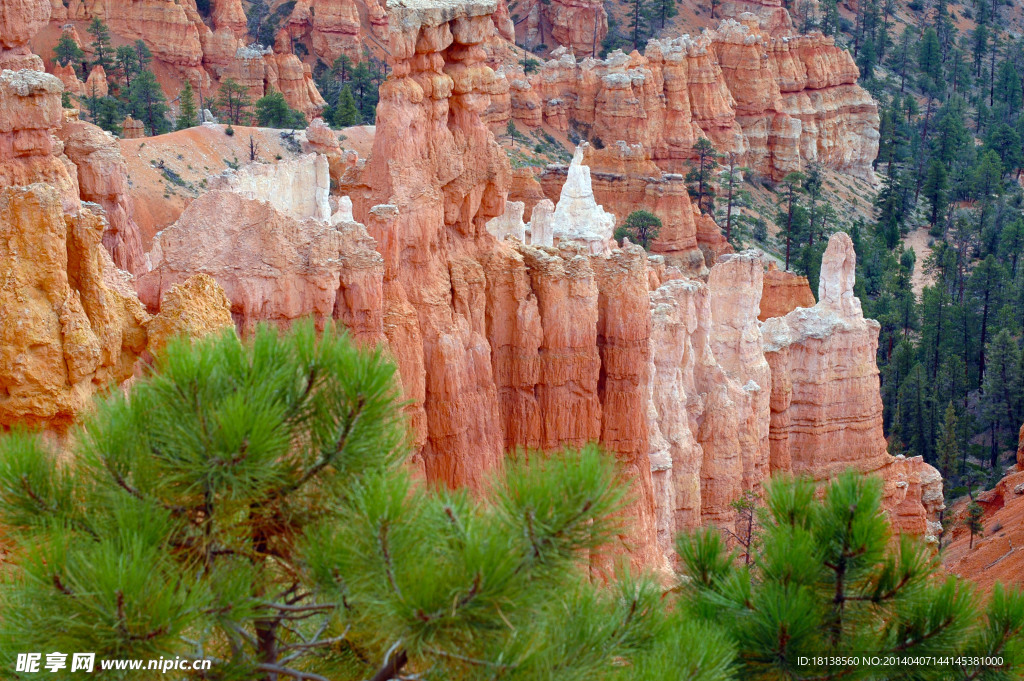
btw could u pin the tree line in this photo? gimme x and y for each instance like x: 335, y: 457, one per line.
x: 350, y: 90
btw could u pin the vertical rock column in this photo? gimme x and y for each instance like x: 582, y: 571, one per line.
x: 437, y: 166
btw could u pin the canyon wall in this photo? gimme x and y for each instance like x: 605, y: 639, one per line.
x: 503, y: 344
x: 70, y: 322
x: 778, y: 103
x: 184, y: 45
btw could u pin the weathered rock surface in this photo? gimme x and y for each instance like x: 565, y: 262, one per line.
x: 181, y: 41
x: 297, y: 187
x: 67, y: 329
x: 624, y: 179
x: 103, y: 179
x: 332, y: 28
x: 577, y: 215
x: 783, y: 292
x: 96, y: 84
x: 273, y: 267
x: 132, y: 129
x: 502, y: 343
x: 195, y: 308
x: 996, y: 555
x: 778, y: 103
x: 30, y: 111
x: 19, y: 21
x: 825, y: 401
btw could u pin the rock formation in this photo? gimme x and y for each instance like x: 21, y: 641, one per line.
x: 778, y: 103
x: 19, y: 21
x: 96, y: 83
x: 297, y: 187
x: 273, y: 266
x: 825, y: 401
x: 504, y: 344
x: 103, y: 179
x: 189, y: 49
x: 195, y: 308
x: 66, y: 328
x: 624, y: 179
x: 783, y: 292
x: 30, y: 111
x: 577, y: 216
x: 578, y: 25
x: 332, y: 28
x: 132, y: 129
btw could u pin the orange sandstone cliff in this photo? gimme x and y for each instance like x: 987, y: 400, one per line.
x: 549, y: 335
x: 777, y: 102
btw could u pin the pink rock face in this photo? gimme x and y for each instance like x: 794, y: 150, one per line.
x: 625, y: 179
x: 825, y: 402
x: 178, y: 37
x: 783, y: 292
x: 580, y: 25
x: 103, y: 179
x: 96, y: 83
x: 229, y: 14
x: 70, y: 79
x: 30, y: 111
x: 778, y: 103
x: 19, y: 21
x: 272, y: 267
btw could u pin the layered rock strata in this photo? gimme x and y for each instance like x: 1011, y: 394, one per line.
x: 297, y: 187
x: 578, y: 25
x: 577, y: 216
x: 180, y: 39
x: 778, y: 103
x: 19, y: 21
x: 783, y: 292
x: 103, y: 179
x: 30, y: 112
x: 273, y: 266
x: 624, y: 179
x: 503, y: 344
x: 825, y: 402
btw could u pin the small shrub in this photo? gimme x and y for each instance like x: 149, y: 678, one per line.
x: 229, y: 131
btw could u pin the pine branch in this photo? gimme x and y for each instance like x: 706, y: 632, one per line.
x: 127, y: 487
x: 293, y: 673
x: 388, y: 567
x: 326, y: 458
x: 392, y: 665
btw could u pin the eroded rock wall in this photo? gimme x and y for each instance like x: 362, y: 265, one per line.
x: 66, y: 330
x: 825, y: 401
x: 779, y: 103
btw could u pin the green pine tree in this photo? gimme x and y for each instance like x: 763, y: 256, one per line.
x: 147, y: 102
x: 701, y: 175
x: 972, y: 521
x: 272, y: 111
x: 233, y: 99
x: 102, y: 51
x: 67, y: 51
x: 248, y: 505
x: 641, y: 227
x: 187, y: 114
x: 829, y: 580
x: 948, y: 448
x: 347, y: 113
